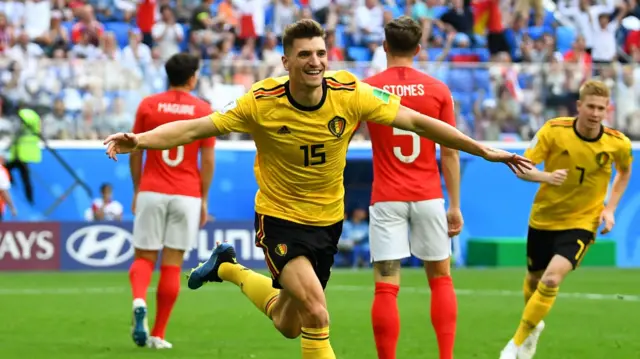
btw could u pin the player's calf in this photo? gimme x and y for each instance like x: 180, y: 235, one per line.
x: 286, y: 316
x: 444, y: 305
x: 299, y: 280
x: 544, y: 297
x: 385, y: 318
x: 168, y: 289
x: 530, y: 284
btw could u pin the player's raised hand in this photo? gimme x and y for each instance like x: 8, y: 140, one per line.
x: 609, y: 221
x: 516, y: 163
x: 454, y: 221
x: 558, y: 177
x: 120, y: 143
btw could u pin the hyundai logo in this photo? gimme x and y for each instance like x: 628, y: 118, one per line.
x: 100, y: 245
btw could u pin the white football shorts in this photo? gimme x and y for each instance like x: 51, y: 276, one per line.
x: 399, y: 229
x: 163, y: 220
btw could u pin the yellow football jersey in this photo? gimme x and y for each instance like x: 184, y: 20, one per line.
x: 578, y: 202
x: 301, y: 151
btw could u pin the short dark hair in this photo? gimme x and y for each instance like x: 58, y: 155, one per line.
x: 105, y: 186
x: 180, y: 67
x: 403, y: 35
x: 301, y: 29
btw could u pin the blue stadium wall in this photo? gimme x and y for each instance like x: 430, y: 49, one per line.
x: 494, y: 202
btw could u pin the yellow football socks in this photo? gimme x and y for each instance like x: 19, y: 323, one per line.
x: 527, y: 290
x: 255, y: 286
x: 536, y: 309
x: 315, y: 344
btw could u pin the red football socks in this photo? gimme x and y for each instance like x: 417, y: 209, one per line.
x: 168, y: 289
x: 385, y: 319
x: 444, y: 314
x: 140, y: 276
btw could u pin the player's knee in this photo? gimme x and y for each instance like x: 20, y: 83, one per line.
x: 315, y: 315
x: 551, y: 280
x: 151, y: 256
x: 438, y: 269
x: 387, y: 271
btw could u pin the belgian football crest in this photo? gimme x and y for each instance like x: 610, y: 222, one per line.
x: 281, y: 249
x: 337, y: 125
x: 602, y: 158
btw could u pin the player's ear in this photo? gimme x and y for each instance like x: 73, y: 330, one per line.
x: 418, y: 49
x: 385, y: 46
x: 285, y: 62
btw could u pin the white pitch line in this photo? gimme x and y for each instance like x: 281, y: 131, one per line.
x: 336, y: 288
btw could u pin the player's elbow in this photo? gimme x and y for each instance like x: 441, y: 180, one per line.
x: 449, y: 153
x: 207, y: 159
x: 624, y: 173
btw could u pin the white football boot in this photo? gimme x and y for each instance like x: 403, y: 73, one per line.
x: 159, y: 343
x: 528, y: 348
x: 510, y: 351
x: 140, y: 327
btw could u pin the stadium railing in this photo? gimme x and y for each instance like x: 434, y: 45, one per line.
x: 494, y: 101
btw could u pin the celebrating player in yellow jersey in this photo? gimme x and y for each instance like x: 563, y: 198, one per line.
x: 301, y: 125
x: 570, y: 205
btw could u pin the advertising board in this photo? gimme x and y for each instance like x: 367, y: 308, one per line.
x: 29, y: 246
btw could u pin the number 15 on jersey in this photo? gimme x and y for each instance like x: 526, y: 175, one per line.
x: 313, y: 155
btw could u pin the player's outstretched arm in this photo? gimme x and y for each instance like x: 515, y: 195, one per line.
x: 162, y: 137
x: 533, y: 174
x: 449, y: 136
x: 438, y: 131
x: 177, y: 133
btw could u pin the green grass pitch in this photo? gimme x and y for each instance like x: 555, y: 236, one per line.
x: 87, y: 315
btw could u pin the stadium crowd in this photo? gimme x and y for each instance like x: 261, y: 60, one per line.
x: 84, y: 65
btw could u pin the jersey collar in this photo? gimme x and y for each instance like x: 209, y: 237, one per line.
x: 306, y: 108
x: 595, y: 139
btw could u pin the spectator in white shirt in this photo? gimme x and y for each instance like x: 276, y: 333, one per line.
x: 104, y: 208
x: 369, y: 23
x: 285, y: 13
x: 605, y: 47
x: 84, y: 49
x: 167, y: 34
x: 24, y: 50
x: 584, y: 15
x: 14, y: 11
x: 37, y: 17
x: 136, y: 53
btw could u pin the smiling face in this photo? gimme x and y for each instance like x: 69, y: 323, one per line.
x: 307, y: 61
x: 305, y: 53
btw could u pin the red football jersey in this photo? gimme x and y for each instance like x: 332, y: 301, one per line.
x: 174, y: 171
x: 404, y: 164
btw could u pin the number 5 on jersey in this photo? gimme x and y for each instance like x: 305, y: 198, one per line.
x: 313, y: 155
x: 415, y: 146
x: 176, y: 161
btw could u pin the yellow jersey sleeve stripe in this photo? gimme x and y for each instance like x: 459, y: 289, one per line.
x: 263, y: 94
x: 333, y: 79
x: 561, y: 124
x: 614, y: 133
x: 271, y: 89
